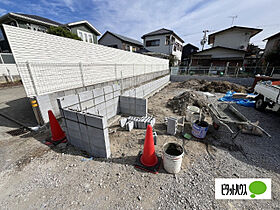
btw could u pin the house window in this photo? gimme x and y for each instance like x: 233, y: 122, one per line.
x: 167, y: 40
x: 90, y: 38
x: 133, y: 49
x: 85, y: 36
x: 175, y: 48
x: 152, y: 43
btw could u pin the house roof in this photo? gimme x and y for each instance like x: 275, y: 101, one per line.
x: 189, y: 44
x: 226, y: 48
x: 161, y: 32
x: 84, y: 22
x: 123, y: 38
x: 253, y: 30
x: 47, y: 21
x: 274, y: 35
x: 37, y: 18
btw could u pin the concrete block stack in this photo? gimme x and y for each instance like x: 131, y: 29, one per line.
x: 88, y: 132
x: 142, y: 122
x: 133, y: 106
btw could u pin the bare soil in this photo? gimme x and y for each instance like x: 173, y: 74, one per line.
x: 214, y: 86
x: 34, y: 176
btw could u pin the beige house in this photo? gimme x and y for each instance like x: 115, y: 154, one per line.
x: 228, y: 46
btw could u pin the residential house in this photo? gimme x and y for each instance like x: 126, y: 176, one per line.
x: 164, y: 41
x: 188, y: 50
x: 273, y: 43
x: 83, y: 29
x: 229, y: 46
x: 114, y: 40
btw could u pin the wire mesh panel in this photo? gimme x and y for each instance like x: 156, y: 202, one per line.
x: 97, y: 73
x: 53, y: 77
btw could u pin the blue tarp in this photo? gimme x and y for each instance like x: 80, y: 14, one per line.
x: 243, y: 102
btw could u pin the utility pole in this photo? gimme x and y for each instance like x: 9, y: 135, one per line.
x: 233, y: 18
x: 204, y: 39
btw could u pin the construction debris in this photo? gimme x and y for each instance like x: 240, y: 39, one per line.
x: 214, y: 86
x: 180, y: 103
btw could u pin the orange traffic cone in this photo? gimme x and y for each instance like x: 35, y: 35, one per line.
x: 58, y: 136
x: 149, y: 157
x: 148, y: 161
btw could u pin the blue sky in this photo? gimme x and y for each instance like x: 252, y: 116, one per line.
x: 133, y: 18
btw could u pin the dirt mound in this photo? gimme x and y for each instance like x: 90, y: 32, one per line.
x: 180, y: 103
x: 214, y: 86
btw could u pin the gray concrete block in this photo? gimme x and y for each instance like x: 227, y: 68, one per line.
x: 85, y: 96
x: 96, y: 121
x: 87, y: 104
x: 91, y: 110
x: 109, y: 96
x: 99, y: 100
x: 122, y: 122
x: 98, y: 92
x: 84, y: 138
x: 81, y: 117
x: 67, y: 101
x: 102, y: 112
x: 73, y: 127
x: 129, y: 125
x: 107, y: 89
x: 71, y: 115
x: 117, y: 93
x: 171, y: 125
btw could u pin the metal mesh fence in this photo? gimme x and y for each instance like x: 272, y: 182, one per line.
x: 235, y: 71
x: 44, y: 78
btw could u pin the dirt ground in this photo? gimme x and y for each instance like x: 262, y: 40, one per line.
x: 33, y: 175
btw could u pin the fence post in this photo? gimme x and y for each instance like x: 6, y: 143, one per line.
x: 116, y: 73
x: 28, y: 65
x: 9, y: 73
x: 82, y: 74
x: 226, y: 71
x: 236, y: 70
x: 133, y: 70
x: 121, y: 82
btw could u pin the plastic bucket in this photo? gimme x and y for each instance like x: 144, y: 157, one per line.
x: 172, y: 157
x: 199, y: 129
x: 192, y: 113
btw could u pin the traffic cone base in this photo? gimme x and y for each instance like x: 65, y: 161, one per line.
x: 152, y: 169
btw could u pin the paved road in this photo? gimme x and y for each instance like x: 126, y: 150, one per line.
x: 15, y: 104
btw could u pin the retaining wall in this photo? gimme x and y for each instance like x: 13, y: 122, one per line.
x: 129, y: 87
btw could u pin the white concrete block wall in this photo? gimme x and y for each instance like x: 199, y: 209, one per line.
x: 54, y: 62
x: 11, y: 67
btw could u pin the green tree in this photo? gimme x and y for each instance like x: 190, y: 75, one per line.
x: 60, y: 31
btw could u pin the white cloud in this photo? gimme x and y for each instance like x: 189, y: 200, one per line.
x: 134, y: 18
